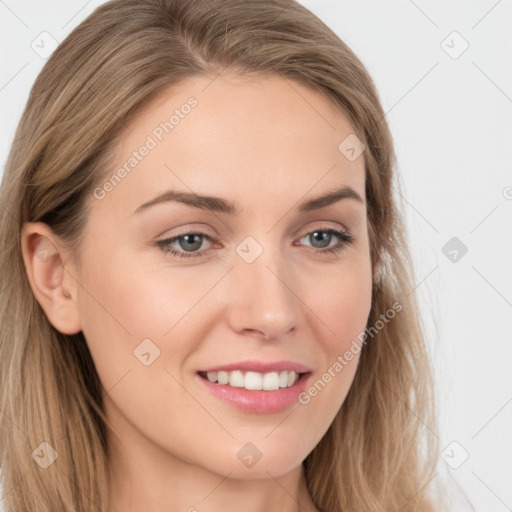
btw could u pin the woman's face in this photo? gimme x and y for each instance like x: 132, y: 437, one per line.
x: 249, y: 281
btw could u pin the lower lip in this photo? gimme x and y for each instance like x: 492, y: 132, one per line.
x: 260, y: 402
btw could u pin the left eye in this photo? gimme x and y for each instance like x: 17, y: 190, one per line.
x: 190, y: 242
x: 325, y: 236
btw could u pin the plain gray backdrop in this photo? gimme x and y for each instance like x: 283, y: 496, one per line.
x: 444, y: 75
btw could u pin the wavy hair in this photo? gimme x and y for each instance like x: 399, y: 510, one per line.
x: 379, y: 453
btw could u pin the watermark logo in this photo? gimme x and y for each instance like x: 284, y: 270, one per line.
x: 45, y: 455
x: 351, y: 147
x: 249, y: 249
x: 454, y: 45
x: 249, y: 455
x: 343, y: 360
x: 454, y: 249
x: 44, y: 45
x: 146, y: 352
x: 455, y: 455
x: 152, y: 140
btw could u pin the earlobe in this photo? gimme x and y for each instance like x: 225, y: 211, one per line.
x: 52, y: 284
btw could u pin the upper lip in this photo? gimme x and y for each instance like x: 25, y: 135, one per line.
x: 253, y: 365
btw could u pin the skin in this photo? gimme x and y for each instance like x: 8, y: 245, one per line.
x: 267, y: 144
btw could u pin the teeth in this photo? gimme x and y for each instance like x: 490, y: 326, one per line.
x: 222, y: 377
x: 254, y: 380
x: 236, y: 379
x: 271, y: 381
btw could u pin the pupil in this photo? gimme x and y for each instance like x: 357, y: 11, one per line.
x: 190, y: 244
x: 324, y: 237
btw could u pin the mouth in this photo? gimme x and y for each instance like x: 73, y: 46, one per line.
x: 254, y: 381
x: 257, y: 387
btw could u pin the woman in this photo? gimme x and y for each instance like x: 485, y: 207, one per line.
x: 206, y: 285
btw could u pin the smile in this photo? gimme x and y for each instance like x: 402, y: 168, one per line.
x: 255, y: 392
x: 253, y: 381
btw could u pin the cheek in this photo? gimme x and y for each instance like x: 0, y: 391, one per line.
x: 343, y: 303
x: 343, y: 309
x: 132, y: 302
x: 137, y: 299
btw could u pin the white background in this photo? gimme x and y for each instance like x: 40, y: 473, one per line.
x: 451, y: 121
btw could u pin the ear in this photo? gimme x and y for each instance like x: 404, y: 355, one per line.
x: 54, y: 285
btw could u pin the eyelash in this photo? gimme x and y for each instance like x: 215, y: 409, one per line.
x: 343, y: 237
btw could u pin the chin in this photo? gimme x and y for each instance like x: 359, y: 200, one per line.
x: 262, y: 469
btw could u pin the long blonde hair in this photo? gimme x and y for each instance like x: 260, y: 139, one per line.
x: 379, y: 453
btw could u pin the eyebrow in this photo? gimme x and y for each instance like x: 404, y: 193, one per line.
x: 219, y: 205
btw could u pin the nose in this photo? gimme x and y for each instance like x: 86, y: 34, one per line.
x: 262, y: 297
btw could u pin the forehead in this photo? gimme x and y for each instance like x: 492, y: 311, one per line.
x: 252, y: 140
